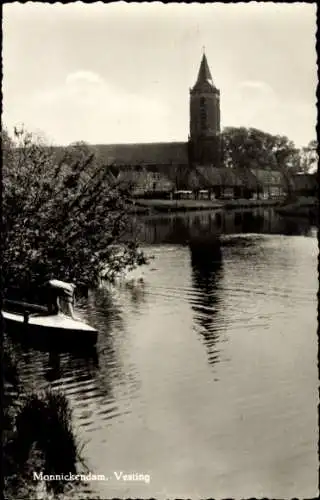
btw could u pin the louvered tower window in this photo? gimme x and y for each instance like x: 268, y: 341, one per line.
x: 203, y: 113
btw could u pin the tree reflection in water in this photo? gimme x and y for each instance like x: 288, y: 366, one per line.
x: 206, y: 262
x: 182, y: 228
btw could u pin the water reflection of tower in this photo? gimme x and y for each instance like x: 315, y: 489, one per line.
x: 206, y: 262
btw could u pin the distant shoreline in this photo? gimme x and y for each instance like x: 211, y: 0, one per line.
x: 303, y: 207
x: 168, y: 206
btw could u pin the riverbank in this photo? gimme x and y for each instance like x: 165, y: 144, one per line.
x: 243, y: 203
x: 301, y: 207
x: 142, y: 206
x: 34, y: 421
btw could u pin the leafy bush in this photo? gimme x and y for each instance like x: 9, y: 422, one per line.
x: 64, y: 215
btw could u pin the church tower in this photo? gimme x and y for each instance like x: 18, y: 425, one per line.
x: 204, y: 138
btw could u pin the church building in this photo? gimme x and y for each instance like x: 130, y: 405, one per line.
x: 158, y: 166
x: 193, y: 168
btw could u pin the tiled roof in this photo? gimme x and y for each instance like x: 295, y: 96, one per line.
x: 268, y: 177
x: 180, y: 175
x: 162, y: 153
x: 247, y: 177
x: 213, y: 176
x: 145, y: 180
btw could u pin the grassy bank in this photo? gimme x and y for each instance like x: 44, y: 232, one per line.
x: 37, y: 435
x: 242, y: 203
x: 300, y: 207
x: 303, y: 206
x: 174, y: 205
x: 146, y: 206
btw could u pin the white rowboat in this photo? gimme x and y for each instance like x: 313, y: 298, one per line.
x: 58, y: 325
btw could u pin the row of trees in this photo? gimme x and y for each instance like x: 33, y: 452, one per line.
x: 308, y: 158
x: 250, y: 147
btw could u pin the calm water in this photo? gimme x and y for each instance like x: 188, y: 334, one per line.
x: 205, y: 375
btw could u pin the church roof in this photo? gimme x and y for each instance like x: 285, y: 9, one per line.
x: 218, y: 176
x: 204, y: 76
x: 158, y: 153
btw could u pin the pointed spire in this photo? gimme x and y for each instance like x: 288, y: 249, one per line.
x: 204, y: 75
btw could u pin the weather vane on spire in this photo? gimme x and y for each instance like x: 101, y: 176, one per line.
x: 203, y: 49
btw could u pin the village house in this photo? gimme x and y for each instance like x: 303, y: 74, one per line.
x: 271, y: 183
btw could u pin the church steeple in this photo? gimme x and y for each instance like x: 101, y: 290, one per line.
x: 204, y: 75
x: 204, y: 117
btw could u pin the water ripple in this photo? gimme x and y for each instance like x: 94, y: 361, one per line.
x: 206, y: 376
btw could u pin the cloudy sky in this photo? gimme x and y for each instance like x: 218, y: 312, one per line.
x: 106, y: 73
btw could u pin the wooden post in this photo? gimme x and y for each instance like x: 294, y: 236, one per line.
x: 25, y: 316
